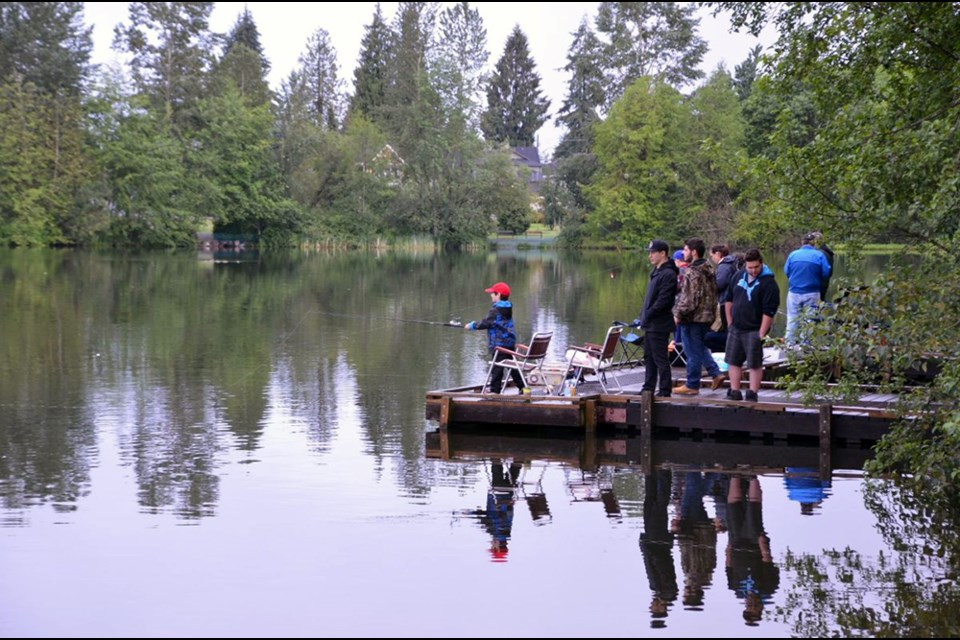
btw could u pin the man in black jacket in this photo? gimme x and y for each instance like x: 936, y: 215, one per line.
x: 656, y: 318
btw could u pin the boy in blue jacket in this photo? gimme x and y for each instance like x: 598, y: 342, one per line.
x: 500, y: 333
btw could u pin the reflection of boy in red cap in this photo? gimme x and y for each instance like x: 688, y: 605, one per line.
x: 500, y: 333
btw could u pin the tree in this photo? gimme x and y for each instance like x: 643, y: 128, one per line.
x: 371, y: 73
x: 718, y: 142
x: 44, y: 65
x: 244, y: 64
x: 643, y: 149
x: 458, y: 61
x: 657, y: 39
x: 515, y: 108
x: 881, y: 165
x: 46, y: 44
x: 585, y: 93
x: 171, y: 49
x: 317, y: 82
x: 745, y: 73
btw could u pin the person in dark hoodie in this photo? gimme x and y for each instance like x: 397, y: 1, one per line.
x: 656, y: 318
x: 500, y: 333
x: 751, y: 306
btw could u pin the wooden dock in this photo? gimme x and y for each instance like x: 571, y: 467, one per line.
x: 774, y: 418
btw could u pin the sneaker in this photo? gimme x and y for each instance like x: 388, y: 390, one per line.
x: 661, y: 394
x: 734, y: 395
x: 685, y: 391
x: 718, y: 380
x: 750, y: 396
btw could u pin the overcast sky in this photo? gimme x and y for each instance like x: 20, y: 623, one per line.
x: 285, y: 26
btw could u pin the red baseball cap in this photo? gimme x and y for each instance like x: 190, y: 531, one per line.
x: 501, y: 287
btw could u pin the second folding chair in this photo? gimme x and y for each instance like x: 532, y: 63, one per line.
x: 596, y: 358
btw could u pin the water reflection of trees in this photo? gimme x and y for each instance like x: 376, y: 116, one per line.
x: 911, y: 594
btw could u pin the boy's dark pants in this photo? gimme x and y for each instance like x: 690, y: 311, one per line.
x: 496, y: 380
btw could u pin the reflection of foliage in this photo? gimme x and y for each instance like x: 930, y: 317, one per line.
x: 912, y: 593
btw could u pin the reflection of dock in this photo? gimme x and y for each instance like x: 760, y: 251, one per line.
x: 590, y: 452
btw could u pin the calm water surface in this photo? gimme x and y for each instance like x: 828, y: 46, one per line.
x: 236, y: 449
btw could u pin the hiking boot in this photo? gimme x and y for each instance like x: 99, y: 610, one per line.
x: 718, y: 381
x: 734, y: 395
x: 683, y: 390
x: 750, y: 396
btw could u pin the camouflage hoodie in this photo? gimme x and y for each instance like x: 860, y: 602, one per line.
x: 697, y: 299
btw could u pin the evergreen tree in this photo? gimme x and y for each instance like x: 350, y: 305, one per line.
x: 44, y: 54
x: 585, y: 93
x: 656, y: 39
x: 408, y: 90
x: 515, y: 108
x: 745, y: 73
x: 318, y: 83
x: 46, y: 44
x: 243, y: 63
x: 171, y: 49
x: 370, y: 76
x: 246, y: 33
x: 458, y: 62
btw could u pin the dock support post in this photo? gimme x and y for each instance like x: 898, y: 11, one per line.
x: 826, y: 440
x: 646, y: 431
x: 589, y: 418
x: 446, y: 409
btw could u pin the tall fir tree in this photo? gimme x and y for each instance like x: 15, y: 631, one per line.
x: 317, y: 80
x: 243, y: 63
x: 371, y: 74
x: 515, y: 107
x: 585, y: 93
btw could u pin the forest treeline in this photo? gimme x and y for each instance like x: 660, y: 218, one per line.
x: 188, y: 133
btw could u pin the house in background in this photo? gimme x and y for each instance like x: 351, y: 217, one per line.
x: 386, y: 165
x: 529, y: 157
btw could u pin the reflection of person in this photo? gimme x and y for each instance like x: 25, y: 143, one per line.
x: 751, y: 573
x: 500, y: 333
x: 498, y: 517
x: 656, y: 319
x: 804, y: 485
x: 697, y: 539
x: 656, y: 544
x: 808, y: 272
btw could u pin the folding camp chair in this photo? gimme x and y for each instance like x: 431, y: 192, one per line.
x: 631, y: 345
x: 596, y: 358
x: 526, y: 359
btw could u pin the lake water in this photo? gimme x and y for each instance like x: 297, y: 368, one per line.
x: 200, y: 448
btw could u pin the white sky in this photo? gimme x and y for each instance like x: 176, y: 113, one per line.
x: 285, y: 26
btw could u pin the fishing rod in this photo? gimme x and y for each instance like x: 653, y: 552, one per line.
x: 455, y: 322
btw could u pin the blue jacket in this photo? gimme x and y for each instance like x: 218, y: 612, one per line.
x: 807, y: 269
x: 499, y: 326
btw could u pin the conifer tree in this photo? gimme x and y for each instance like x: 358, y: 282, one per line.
x: 585, y: 93
x: 515, y: 107
x: 370, y: 76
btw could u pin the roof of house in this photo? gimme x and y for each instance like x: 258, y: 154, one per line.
x: 530, y: 156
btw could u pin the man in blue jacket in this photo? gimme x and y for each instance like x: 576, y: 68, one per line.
x: 807, y: 271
